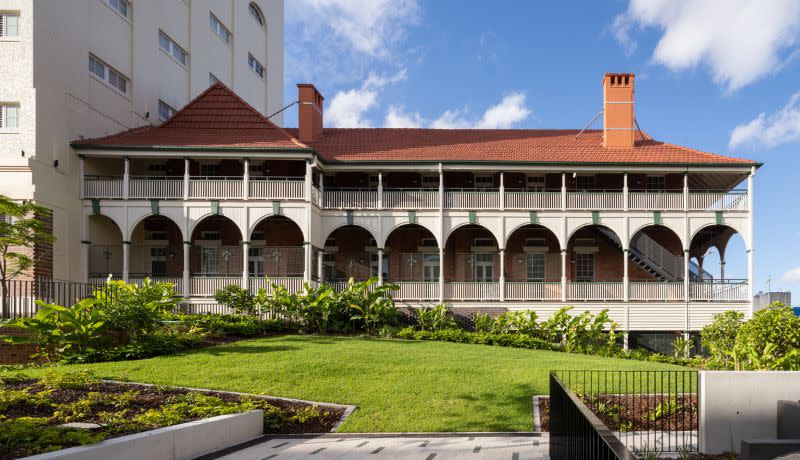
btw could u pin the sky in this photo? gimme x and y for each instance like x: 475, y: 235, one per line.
x: 715, y: 75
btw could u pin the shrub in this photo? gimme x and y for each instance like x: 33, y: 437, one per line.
x: 769, y: 340
x: 522, y: 322
x: 137, y: 310
x: 435, y: 318
x: 77, y: 380
x: 238, y: 299
x: 719, y: 337
x: 482, y: 322
x: 373, y: 304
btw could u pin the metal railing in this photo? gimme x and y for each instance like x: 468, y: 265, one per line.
x: 644, y: 410
x: 576, y: 432
x: 18, y: 297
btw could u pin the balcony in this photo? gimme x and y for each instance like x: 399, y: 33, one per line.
x: 200, y: 187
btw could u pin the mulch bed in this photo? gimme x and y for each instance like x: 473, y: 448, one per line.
x: 153, y: 397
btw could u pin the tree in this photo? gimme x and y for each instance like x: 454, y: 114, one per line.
x: 20, y: 228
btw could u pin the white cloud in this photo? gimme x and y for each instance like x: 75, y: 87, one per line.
x: 765, y: 130
x: 396, y: 117
x: 369, y: 26
x: 348, y: 109
x: 509, y: 111
x: 791, y: 276
x: 738, y: 41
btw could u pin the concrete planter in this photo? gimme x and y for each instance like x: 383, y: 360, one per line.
x: 177, y: 442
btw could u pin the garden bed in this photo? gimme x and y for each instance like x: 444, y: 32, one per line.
x: 636, y: 412
x: 35, y: 411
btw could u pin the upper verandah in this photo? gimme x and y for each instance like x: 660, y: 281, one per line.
x: 219, y: 120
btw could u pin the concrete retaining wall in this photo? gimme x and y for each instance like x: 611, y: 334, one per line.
x: 742, y: 405
x: 178, y: 442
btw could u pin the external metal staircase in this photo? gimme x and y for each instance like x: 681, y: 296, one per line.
x: 653, y: 257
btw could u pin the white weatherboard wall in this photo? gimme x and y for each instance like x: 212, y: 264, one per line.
x: 45, y: 71
x: 742, y: 405
x: 179, y: 442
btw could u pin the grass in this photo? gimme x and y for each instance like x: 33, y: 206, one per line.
x: 398, y: 386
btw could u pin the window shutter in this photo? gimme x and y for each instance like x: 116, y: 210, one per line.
x: 2, y: 112
x: 1, y: 24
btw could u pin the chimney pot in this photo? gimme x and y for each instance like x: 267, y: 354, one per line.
x: 309, y: 112
x: 618, y: 116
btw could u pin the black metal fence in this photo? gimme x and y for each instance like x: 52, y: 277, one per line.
x: 18, y: 297
x: 597, y: 412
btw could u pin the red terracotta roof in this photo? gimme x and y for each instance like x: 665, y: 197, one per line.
x: 524, y: 145
x: 218, y: 118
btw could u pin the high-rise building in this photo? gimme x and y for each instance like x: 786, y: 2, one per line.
x: 87, y: 68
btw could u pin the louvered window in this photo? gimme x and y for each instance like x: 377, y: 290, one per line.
x: 9, y: 25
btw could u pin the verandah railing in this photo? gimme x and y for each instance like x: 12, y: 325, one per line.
x: 644, y: 410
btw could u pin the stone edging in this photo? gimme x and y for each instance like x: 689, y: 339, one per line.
x: 537, y: 420
x: 348, y: 408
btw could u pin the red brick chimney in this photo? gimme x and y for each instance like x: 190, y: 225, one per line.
x: 618, y: 124
x: 309, y: 112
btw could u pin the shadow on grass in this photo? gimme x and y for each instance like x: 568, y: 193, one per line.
x: 245, y: 348
x: 515, y: 401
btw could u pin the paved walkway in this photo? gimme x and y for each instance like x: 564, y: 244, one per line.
x: 417, y: 446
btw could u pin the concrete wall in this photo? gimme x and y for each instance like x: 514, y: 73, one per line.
x: 179, y: 442
x: 742, y: 405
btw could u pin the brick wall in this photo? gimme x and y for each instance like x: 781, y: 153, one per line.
x: 16, y: 353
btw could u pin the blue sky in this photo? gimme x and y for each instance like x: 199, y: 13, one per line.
x: 717, y: 75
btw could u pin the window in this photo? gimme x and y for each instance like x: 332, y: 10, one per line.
x: 656, y: 183
x: 255, y: 66
x: 219, y: 29
x: 329, y: 266
x: 585, y: 183
x: 212, y: 80
x: 9, y: 25
x: 428, y: 242
x: 9, y: 116
x: 483, y: 267
x: 430, y: 267
x: 584, y: 267
x: 484, y: 181
x: 209, y: 261
x: 170, y: 47
x: 158, y: 261
x: 120, y: 6
x: 255, y: 12
x: 534, y: 183
x: 536, y: 267
x: 165, y: 111
x: 330, y: 242
x: 209, y: 169
x: 430, y: 181
x: 104, y: 72
x: 255, y: 261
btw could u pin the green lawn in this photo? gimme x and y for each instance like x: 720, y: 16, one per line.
x: 397, y: 385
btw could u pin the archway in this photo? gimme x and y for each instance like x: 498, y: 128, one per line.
x: 655, y: 265
x: 276, y: 249
x: 105, y: 248
x: 350, y: 252
x: 532, y: 266
x: 156, y: 250
x: 472, y: 264
x: 216, y: 248
x: 411, y: 254
x: 720, y: 272
x: 595, y: 264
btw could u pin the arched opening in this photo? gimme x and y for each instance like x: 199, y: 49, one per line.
x: 411, y: 260
x: 472, y: 264
x: 105, y: 248
x: 532, y: 266
x: 156, y: 251
x: 719, y: 269
x: 256, y: 14
x: 276, y: 252
x: 595, y: 264
x: 655, y: 265
x: 350, y: 252
x: 215, y: 258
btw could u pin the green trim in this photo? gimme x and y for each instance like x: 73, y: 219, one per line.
x: 154, y: 206
x: 656, y: 217
x: 350, y: 217
x: 472, y: 217
x: 187, y: 242
x: 85, y: 242
x: 126, y: 242
x: 534, y: 217
x: 412, y: 217
x: 215, y: 207
x: 595, y: 217
x: 720, y: 217
x: 245, y: 242
x: 276, y: 208
x: 96, y: 206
